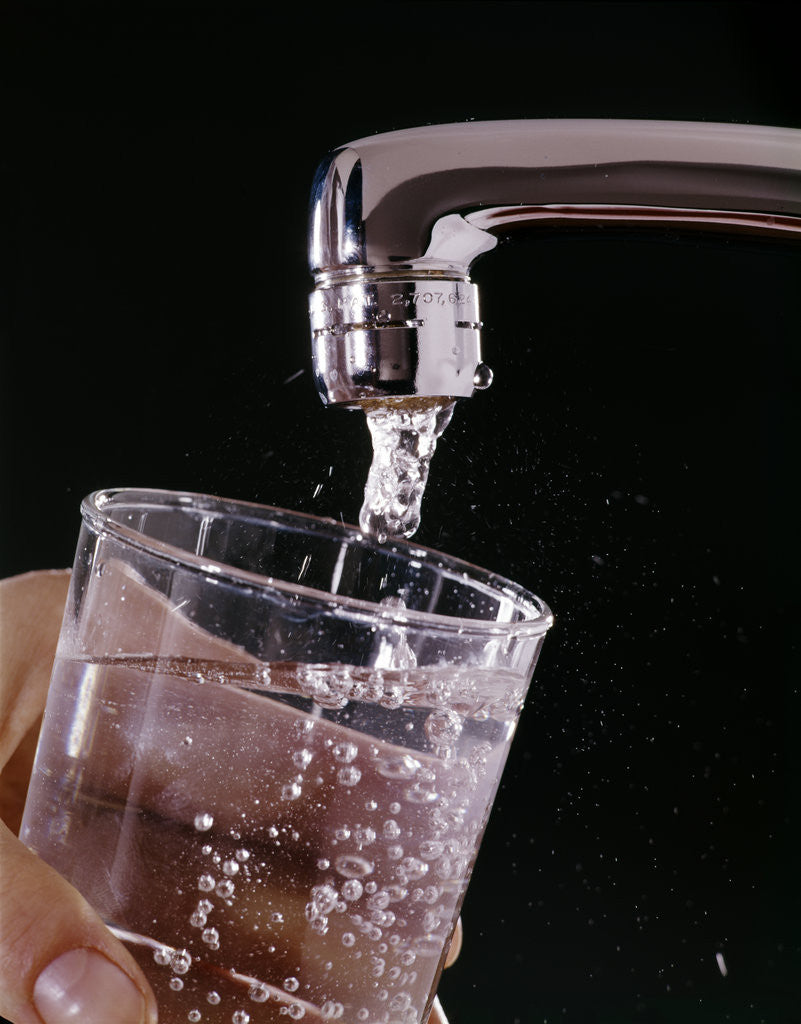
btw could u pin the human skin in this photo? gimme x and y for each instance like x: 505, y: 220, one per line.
x: 58, y: 961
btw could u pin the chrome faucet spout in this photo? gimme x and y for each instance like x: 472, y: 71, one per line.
x: 398, y: 219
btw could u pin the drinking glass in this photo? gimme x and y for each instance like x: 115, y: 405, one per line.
x: 270, y: 749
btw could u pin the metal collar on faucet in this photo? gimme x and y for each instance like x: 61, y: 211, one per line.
x: 398, y: 219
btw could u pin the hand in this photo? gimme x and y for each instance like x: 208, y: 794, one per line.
x: 58, y: 961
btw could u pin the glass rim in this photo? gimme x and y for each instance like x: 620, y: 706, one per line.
x: 95, y: 508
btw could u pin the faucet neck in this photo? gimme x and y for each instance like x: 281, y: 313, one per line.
x: 397, y: 221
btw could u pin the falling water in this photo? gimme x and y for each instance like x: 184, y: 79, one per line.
x: 405, y: 433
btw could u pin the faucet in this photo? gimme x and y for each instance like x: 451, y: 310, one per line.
x: 398, y: 219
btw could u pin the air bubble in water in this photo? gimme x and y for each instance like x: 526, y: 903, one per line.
x: 430, y: 849
x: 176, y: 984
x: 181, y: 961
x: 203, y: 822
x: 352, y: 889
x: 349, y: 776
x: 198, y: 919
x: 210, y: 936
x: 302, y: 759
x: 332, y: 1010
x: 323, y: 900
x: 403, y: 767
x: 194, y: 1016
x: 291, y: 791
x: 351, y: 866
x: 391, y: 829
x: 443, y: 727
x: 259, y: 993
x: 213, y: 998
x: 296, y: 1011
x: 364, y: 835
x: 291, y: 984
x: 206, y: 883
x: 240, y: 1017
x: 242, y: 855
x: 225, y: 888
x: 348, y: 939
x: 231, y: 868
x: 345, y: 752
x: 162, y: 955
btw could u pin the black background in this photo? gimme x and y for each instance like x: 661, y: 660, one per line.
x: 635, y: 461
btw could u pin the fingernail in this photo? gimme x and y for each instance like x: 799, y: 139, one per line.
x: 85, y: 986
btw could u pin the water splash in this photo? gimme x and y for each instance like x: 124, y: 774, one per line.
x: 405, y: 433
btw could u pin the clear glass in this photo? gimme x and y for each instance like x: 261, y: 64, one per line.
x: 270, y: 750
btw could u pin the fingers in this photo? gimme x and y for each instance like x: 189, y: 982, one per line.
x: 437, y: 1015
x: 31, y: 610
x: 456, y: 944
x: 58, y: 962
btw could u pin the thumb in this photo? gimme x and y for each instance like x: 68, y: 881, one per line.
x: 59, y: 964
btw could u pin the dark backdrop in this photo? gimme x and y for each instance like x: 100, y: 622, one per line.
x: 635, y: 461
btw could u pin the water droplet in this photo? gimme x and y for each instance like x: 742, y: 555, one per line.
x: 291, y: 984
x: 203, y: 822
x: 349, y: 776
x: 482, y: 378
